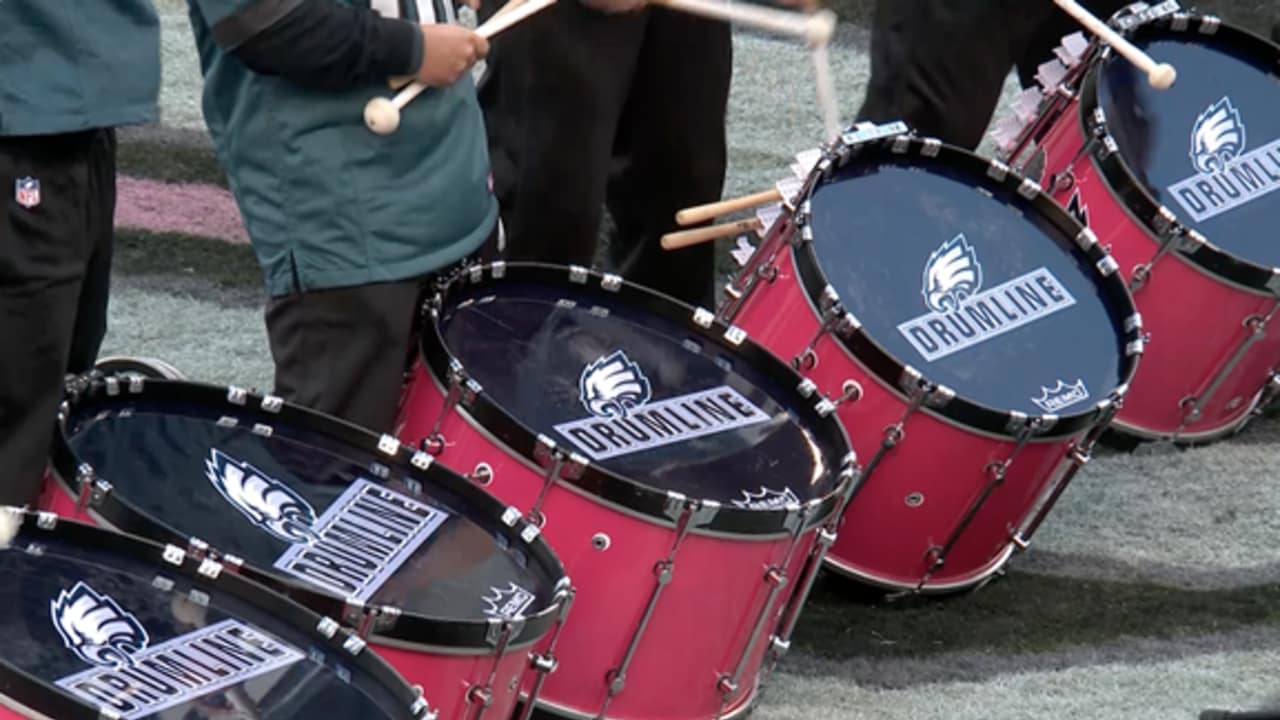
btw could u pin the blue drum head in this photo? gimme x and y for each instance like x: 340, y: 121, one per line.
x: 967, y: 282
x: 627, y: 380
x: 139, y: 638
x: 1207, y: 148
x: 284, y: 492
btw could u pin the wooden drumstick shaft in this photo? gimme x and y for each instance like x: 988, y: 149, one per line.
x: 686, y: 238
x: 520, y: 10
x: 702, y: 213
x: 491, y: 27
x: 816, y: 27
x: 1160, y: 75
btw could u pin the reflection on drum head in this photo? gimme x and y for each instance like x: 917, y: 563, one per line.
x: 977, y: 292
x: 112, y: 632
x: 637, y: 394
x: 1209, y: 147
x: 308, y: 508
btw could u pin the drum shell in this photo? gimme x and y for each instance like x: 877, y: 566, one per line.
x: 445, y: 677
x: 703, y: 620
x: 882, y: 539
x: 1195, y: 320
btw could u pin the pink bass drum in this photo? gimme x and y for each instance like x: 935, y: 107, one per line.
x: 974, y: 336
x: 102, y: 625
x: 1181, y: 186
x: 444, y: 582
x: 686, y: 478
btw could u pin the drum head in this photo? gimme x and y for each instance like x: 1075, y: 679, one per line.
x: 628, y: 381
x: 967, y: 282
x: 1209, y: 147
x: 138, y: 637
x: 307, y: 499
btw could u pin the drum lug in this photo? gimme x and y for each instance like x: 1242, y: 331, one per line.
x: 369, y: 621
x: 420, y: 707
x: 996, y: 472
x: 687, y: 514
x: 1062, y: 181
x: 482, y: 474
x: 546, y: 663
x: 93, y: 490
x: 1256, y: 325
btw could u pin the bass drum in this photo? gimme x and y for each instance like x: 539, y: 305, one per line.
x: 976, y: 337
x: 445, y: 583
x: 684, y: 475
x: 1182, y: 185
x: 101, y: 625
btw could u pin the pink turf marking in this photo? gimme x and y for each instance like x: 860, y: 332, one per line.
x: 188, y: 208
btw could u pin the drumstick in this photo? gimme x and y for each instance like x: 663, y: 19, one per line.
x: 398, y: 82
x: 685, y: 238
x: 702, y: 213
x: 815, y: 28
x: 781, y: 192
x: 827, y: 104
x: 382, y: 115
x: 1161, y: 76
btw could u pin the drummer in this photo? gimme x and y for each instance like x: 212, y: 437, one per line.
x: 345, y: 224
x: 940, y: 66
x: 69, y: 79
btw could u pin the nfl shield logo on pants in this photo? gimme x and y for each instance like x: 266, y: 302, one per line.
x: 27, y: 192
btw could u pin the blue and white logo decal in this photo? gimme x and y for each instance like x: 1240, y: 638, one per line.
x: 951, y: 275
x: 1227, y: 176
x: 613, y: 385
x: 626, y: 419
x: 1217, y: 138
x: 194, y: 665
x: 96, y: 628
x: 1061, y: 396
x: 507, y: 603
x: 767, y: 499
x: 961, y: 313
x: 268, y: 503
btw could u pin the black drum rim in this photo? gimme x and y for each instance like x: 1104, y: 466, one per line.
x: 41, y: 696
x: 404, y: 628
x: 656, y: 505
x: 1128, y: 190
x: 904, y: 379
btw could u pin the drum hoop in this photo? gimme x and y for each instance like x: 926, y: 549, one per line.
x: 1137, y: 200
x: 31, y: 691
x: 407, y: 627
x: 890, y: 370
x: 653, y: 504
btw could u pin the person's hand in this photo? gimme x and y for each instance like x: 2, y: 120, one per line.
x: 614, y: 7
x: 449, y: 51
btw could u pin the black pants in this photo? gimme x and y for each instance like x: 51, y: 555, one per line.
x: 939, y: 65
x: 586, y: 109
x: 344, y: 351
x: 55, y: 268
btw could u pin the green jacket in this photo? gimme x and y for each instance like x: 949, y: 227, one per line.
x: 72, y: 65
x: 326, y: 202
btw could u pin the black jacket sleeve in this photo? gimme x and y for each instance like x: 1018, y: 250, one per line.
x: 323, y: 45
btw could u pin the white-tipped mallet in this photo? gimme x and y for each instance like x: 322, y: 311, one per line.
x: 382, y: 115
x: 1161, y: 76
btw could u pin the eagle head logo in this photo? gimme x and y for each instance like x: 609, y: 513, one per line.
x: 951, y: 275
